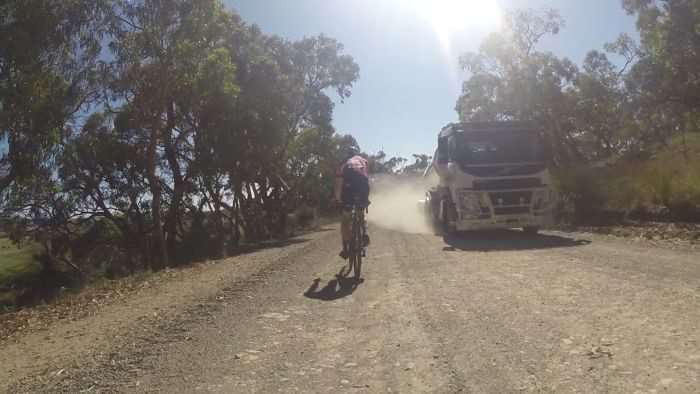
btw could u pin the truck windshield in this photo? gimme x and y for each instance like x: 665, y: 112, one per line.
x: 496, y: 147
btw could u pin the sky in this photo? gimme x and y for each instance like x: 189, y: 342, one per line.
x: 408, y: 54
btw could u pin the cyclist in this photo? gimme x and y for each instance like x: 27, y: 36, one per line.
x: 351, y: 188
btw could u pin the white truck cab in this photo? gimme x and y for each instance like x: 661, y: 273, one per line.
x: 492, y: 175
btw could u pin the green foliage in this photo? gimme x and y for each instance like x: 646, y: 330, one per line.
x: 16, y: 261
x: 379, y: 164
x: 672, y: 178
x: 304, y: 217
x: 203, y: 132
x: 510, y: 80
x: 17, y: 264
x: 422, y: 161
x: 580, y: 193
x: 596, y: 111
x: 670, y: 38
x: 48, y: 58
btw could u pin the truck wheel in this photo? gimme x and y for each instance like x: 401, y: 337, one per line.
x: 434, y: 224
x: 447, y: 227
x: 531, y: 230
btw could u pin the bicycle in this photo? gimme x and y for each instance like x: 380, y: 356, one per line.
x: 357, y: 246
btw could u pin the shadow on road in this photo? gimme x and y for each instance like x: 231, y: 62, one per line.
x: 492, y: 241
x: 274, y: 244
x: 335, y: 289
x: 322, y: 229
x: 297, y: 238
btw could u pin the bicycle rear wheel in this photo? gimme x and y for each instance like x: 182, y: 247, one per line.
x: 357, y: 249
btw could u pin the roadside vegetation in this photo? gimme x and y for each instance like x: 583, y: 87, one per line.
x: 623, y: 127
x: 17, y: 263
x: 139, y: 135
x: 663, y: 186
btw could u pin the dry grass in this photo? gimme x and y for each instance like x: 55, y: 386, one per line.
x: 664, y: 186
x: 15, y: 264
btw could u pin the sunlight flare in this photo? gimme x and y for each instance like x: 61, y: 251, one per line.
x: 449, y: 17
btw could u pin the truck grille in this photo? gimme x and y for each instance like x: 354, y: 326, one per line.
x: 497, y: 171
x: 503, y: 184
x: 511, y: 198
x: 512, y: 211
x: 511, y: 203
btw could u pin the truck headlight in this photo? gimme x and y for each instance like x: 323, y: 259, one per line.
x: 475, y: 203
x: 543, y: 199
x: 470, y: 202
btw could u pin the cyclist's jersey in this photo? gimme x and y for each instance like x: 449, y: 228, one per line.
x: 355, y: 181
x: 357, y: 164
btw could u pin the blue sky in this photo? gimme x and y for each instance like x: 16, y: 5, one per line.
x: 409, y: 76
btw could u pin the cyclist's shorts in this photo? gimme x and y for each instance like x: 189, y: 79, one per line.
x: 346, y: 217
x: 355, y: 188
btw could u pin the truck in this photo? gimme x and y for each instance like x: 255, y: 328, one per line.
x: 492, y: 175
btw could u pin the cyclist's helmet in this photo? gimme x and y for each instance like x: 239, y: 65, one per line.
x: 350, y: 152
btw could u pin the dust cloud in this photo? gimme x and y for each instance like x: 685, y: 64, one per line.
x: 395, y: 204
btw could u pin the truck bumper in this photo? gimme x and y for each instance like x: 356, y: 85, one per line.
x: 504, y: 222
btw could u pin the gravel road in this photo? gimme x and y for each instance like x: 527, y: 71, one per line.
x: 489, y: 313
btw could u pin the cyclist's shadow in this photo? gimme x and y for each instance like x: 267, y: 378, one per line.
x: 337, y: 288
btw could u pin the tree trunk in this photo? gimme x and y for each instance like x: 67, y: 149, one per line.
x: 178, y: 192
x: 140, y: 240
x: 253, y: 216
x: 220, y: 235
x: 154, y: 185
x: 214, y: 191
x: 236, y: 214
x: 234, y: 223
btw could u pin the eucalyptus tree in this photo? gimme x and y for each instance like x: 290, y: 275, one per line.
x: 171, y: 68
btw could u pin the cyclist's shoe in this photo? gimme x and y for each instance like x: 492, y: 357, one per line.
x: 365, y: 240
x: 345, y: 253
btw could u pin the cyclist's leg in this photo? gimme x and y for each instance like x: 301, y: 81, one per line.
x: 345, y: 215
x: 345, y: 231
x: 346, y: 222
x: 364, y: 197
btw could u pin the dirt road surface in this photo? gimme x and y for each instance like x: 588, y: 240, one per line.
x: 497, y: 313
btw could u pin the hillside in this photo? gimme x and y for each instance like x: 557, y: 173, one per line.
x: 661, y: 186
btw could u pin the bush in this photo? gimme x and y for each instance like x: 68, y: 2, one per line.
x: 662, y: 187
x: 581, y: 198
x: 101, y: 250
x: 196, y: 244
x: 673, y: 181
x: 684, y: 199
x: 304, y: 217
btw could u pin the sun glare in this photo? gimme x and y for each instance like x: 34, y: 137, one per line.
x: 454, y: 16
